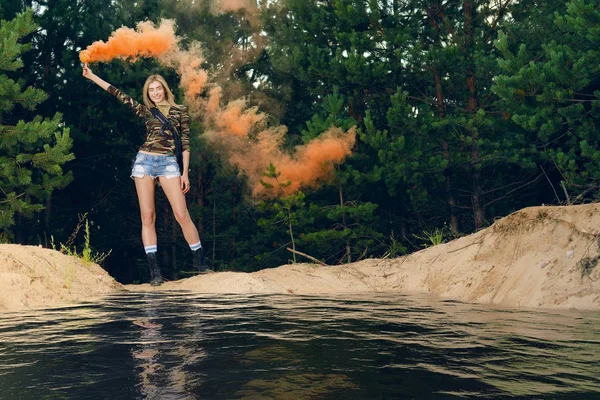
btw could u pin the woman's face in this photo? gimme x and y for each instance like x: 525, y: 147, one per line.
x: 156, y: 92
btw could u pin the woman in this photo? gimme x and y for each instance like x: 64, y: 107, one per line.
x: 156, y: 159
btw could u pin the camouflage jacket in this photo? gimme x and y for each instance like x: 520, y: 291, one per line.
x: 157, y: 140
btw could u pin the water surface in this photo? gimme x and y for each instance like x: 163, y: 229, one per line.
x: 178, y: 345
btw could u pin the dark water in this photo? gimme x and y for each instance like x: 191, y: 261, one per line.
x: 185, y: 346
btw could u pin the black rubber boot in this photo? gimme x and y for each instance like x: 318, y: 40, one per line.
x: 155, y: 278
x: 199, y: 262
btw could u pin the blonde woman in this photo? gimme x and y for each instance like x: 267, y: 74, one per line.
x: 156, y: 160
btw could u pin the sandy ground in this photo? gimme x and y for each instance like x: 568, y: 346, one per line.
x: 34, y: 277
x: 537, y: 257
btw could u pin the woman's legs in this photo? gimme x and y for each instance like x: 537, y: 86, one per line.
x: 172, y: 189
x: 145, y: 191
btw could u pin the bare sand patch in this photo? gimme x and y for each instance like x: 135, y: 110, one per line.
x: 536, y: 257
x: 34, y: 277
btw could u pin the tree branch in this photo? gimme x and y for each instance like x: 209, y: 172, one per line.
x: 307, y: 256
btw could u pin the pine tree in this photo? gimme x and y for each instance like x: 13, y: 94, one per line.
x: 344, y: 227
x: 31, y: 153
x: 282, y: 209
x: 552, y: 90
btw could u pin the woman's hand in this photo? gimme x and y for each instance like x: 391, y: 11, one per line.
x: 87, y: 72
x: 185, y: 183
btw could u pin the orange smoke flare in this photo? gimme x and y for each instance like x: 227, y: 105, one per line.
x: 312, y: 164
x: 234, y: 119
x: 126, y: 43
x: 234, y: 128
x: 188, y: 64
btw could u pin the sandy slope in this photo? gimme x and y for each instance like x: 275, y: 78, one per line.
x: 34, y: 277
x: 536, y: 257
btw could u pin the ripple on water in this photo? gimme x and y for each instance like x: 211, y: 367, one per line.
x: 180, y: 345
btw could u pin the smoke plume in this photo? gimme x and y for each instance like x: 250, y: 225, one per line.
x: 239, y: 132
x: 130, y: 44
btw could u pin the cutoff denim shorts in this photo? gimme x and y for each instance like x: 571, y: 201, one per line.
x: 155, y: 166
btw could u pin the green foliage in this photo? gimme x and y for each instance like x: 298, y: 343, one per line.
x: 32, y: 154
x: 87, y: 254
x: 343, y: 233
x: 396, y: 248
x: 550, y: 89
x: 336, y: 116
x: 429, y: 148
x: 281, y: 209
x: 432, y: 238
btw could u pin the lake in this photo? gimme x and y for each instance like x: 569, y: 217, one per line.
x: 180, y: 345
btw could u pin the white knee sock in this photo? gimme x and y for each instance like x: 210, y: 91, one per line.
x: 196, y: 246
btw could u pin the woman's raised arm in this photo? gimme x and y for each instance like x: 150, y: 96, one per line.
x: 138, y: 108
x: 88, y: 73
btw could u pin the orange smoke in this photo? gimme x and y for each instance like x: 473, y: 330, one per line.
x: 240, y: 132
x: 188, y: 63
x: 234, y: 119
x: 126, y: 43
x: 308, y: 165
x: 254, y: 44
x: 311, y: 165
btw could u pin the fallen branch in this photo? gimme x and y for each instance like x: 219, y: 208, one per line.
x: 307, y: 256
x: 464, y: 247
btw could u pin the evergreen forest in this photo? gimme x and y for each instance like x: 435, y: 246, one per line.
x: 464, y: 111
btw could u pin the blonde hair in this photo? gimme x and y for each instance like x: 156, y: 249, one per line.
x: 169, y: 97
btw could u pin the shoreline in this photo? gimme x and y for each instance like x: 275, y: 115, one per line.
x: 538, y: 257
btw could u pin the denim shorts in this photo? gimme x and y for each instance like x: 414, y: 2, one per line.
x: 155, y: 165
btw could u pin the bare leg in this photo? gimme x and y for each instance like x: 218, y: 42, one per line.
x: 145, y: 191
x: 172, y: 189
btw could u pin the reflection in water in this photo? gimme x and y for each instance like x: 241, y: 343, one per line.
x: 156, y: 382
x: 294, y: 386
x: 188, y: 346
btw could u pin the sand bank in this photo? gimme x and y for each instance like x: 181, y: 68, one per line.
x: 536, y: 257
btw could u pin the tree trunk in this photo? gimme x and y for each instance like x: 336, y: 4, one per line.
x: 47, y: 214
x: 235, y: 192
x: 214, y: 231
x: 356, y: 106
x: 19, y: 235
x: 165, y: 218
x: 441, y: 111
x: 478, y: 211
x: 291, y: 230
x: 200, y: 203
x: 175, y: 229
x: 451, y: 202
x: 348, y: 249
